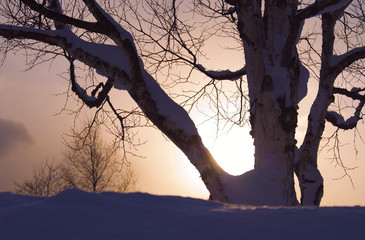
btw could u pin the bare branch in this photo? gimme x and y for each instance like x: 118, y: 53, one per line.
x: 353, y: 94
x: 90, y: 101
x: 97, y: 12
x: 120, y: 118
x: 114, y: 30
x: 90, y: 26
x: 337, y: 154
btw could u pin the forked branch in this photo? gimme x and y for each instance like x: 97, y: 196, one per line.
x: 90, y: 101
x: 57, y: 16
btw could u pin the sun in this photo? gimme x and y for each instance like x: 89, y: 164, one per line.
x: 234, y: 150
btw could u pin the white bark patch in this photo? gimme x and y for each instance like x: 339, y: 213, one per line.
x: 311, y: 185
x: 281, y: 80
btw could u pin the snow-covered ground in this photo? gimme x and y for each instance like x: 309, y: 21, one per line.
x: 74, y: 214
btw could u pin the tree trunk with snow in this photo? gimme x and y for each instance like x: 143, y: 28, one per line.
x: 272, y: 76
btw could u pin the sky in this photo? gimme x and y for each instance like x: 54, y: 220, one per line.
x: 32, y: 124
x: 31, y: 129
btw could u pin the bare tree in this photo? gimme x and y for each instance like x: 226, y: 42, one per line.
x: 91, y: 164
x: 46, y: 180
x: 273, y: 71
x: 125, y: 181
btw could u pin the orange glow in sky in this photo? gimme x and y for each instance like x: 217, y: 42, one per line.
x: 233, y: 151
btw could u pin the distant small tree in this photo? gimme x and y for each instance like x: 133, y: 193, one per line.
x: 45, y: 181
x: 126, y: 181
x: 90, y: 163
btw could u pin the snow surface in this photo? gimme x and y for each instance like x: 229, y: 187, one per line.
x: 74, y: 214
x: 256, y: 187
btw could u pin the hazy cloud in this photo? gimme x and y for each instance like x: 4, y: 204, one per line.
x: 13, y: 134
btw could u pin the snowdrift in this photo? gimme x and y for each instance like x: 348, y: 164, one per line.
x: 74, y: 214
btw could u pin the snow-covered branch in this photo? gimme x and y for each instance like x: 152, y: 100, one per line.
x: 339, y: 63
x: 114, y: 28
x: 108, y: 60
x: 338, y: 120
x: 223, y: 74
x: 46, y: 36
x: 90, y: 101
x: 322, y: 6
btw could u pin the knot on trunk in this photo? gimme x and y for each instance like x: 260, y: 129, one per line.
x: 288, y: 116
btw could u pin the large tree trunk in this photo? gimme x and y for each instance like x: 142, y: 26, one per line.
x: 272, y: 81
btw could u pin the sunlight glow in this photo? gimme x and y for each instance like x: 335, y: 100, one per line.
x: 234, y: 150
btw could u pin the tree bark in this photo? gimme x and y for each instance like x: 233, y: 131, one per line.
x: 272, y: 83
x: 310, y: 179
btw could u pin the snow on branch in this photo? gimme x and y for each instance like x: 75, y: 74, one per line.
x: 321, y: 7
x: 223, y: 74
x: 46, y: 36
x: 106, y: 20
x: 340, y: 62
x: 90, y: 101
x: 108, y: 60
x: 337, y: 119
